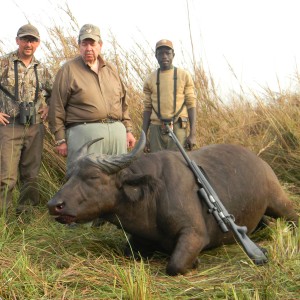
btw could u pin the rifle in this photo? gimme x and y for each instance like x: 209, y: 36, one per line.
x: 217, y: 209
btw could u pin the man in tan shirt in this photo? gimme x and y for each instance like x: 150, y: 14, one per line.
x: 89, y: 102
x: 169, y: 97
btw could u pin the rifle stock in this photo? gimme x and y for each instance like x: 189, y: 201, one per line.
x: 217, y: 209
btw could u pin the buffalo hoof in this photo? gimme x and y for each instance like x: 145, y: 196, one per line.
x: 196, y: 263
x: 174, y: 270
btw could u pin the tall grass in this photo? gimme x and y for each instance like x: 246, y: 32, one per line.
x: 41, y: 259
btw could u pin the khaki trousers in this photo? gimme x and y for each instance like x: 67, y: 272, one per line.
x: 21, y: 153
x: 161, y: 141
x: 114, y: 139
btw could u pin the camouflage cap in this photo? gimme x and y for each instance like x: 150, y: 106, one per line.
x: 28, y: 29
x: 164, y: 43
x: 89, y: 31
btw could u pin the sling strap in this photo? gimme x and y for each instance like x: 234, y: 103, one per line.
x: 7, y: 93
x: 16, y: 81
x: 36, y: 84
x: 16, y: 96
x: 174, y: 97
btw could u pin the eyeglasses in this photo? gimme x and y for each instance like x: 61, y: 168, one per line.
x: 28, y: 39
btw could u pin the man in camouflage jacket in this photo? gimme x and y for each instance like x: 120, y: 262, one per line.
x: 25, y: 86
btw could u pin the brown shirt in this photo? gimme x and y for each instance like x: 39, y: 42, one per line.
x: 81, y: 95
x: 185, y: 93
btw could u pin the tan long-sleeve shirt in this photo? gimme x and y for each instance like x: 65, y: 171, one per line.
x: 185, y: 93
x: 81, y: 95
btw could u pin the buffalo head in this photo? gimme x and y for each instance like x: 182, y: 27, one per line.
x: 91, y: 176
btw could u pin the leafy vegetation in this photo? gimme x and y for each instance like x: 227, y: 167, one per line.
x: 41, y: 259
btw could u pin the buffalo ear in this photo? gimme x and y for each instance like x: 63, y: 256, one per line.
x: 133, y: 193
x: 138, y: 187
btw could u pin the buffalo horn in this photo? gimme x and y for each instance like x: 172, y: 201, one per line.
x: 82, y: 151
x: 112, y: 164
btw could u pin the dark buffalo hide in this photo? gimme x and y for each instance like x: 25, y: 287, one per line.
x: 155, y: 199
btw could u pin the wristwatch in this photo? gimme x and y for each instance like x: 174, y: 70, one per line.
x: 59, y: 142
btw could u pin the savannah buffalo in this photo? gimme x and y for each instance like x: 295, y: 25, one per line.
x: 154, y: 197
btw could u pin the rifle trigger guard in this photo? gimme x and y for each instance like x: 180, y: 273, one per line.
x: 232, y: 217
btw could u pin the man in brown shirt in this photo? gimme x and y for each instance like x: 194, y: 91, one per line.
x: 169, y: 96
x: 89, y: 101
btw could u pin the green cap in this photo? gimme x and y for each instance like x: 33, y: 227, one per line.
x: 28, y: 29
x: 89, y: 31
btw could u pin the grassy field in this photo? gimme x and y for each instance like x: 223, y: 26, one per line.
x: 41, y: 259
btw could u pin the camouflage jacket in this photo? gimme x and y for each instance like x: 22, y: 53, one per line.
x: 27, y: 82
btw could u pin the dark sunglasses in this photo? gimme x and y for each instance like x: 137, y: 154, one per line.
x: 29, y: 39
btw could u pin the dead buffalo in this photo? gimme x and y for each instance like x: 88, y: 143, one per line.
x: 154, y: 197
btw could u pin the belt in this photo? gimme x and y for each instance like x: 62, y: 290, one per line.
x: 104, y: 121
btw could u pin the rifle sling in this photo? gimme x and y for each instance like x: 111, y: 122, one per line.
x: 16, y: 96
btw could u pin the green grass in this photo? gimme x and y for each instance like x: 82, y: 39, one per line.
x: 42, y: 259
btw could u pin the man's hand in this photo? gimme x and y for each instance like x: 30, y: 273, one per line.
x: 62, y: 149
x: 130, y: 140
x: 147, y: 147
x: 3, y: 119
x: 44, y: 112
x: 190, y: 142
x: 146, y: 124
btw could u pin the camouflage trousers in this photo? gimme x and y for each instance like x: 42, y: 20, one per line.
x: 21, y: 153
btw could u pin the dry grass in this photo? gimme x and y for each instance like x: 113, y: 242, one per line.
x: 41, y: 259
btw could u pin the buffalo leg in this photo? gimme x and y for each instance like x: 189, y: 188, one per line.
x: 185, y: 254
x: 282, y: 207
